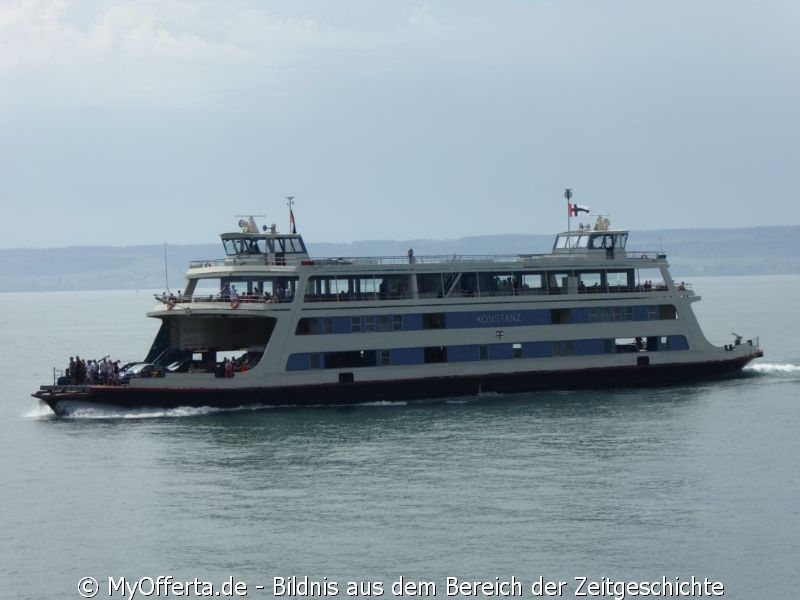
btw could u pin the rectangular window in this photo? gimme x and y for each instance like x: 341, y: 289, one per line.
x: 667, y: 312
x: 354, y: 358
x: 355, y: 324
x: 384, y: 323
x: 385, y: 358
x: 433, y: 321
x: 608, y: 346
x: 532, y: 282
x: 326, y: 325
x: 652, y: 313
x: 306, y: 326
x: 590, y: 282
x: 560, y: 316
x: 315, y: 361
x: 483, y: 352
x: 435, y: 354
x: 397, y: 323
x: 516, y: 350
x: 563, y: 348
x: 430, y: 285
x: 615, y: 313
x: 369, y: 324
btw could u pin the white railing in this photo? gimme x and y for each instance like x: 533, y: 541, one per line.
x: 437, y: 259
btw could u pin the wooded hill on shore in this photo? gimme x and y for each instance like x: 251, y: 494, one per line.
x: 691, y: 252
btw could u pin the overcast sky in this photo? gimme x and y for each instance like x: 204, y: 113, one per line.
x: 125, y: 123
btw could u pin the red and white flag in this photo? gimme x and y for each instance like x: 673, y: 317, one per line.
x: 575, y: 209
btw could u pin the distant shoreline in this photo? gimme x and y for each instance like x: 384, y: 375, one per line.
x: 691, y: 252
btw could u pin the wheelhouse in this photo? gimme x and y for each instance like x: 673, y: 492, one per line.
x: 267, y: 246
x: 585, y: 239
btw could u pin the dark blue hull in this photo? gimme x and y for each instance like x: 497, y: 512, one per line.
x: 61, y: 399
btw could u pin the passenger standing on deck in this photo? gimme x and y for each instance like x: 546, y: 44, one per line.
x: 228, y: 368
x: 105, y: 372
x: 71, y: 371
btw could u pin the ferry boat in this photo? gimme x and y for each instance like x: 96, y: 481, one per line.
x: 591, y: 313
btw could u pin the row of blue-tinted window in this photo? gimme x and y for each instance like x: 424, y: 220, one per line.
x: 478, y: 319
x: 475, y: 352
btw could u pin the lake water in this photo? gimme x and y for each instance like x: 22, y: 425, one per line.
x: 632, y: 485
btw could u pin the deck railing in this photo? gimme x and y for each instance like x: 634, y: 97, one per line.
x: 292, y: 261
x: 217, y: 299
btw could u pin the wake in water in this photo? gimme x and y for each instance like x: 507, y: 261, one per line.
x: 85, y: 410
x: 42, y: 411
x: 768, y: 368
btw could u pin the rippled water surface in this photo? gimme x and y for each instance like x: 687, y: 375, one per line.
x: 630, y: 484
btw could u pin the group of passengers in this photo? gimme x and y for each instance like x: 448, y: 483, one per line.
x: 279, y: 294
x: 170, y: 298
x: 92, y: 371
x: 244, y: 363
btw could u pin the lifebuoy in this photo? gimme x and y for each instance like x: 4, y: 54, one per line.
x: 235, y: 303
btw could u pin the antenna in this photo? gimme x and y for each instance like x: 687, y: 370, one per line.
x: 290, y: 203
x: 166, y: 271
x: 568, y: 196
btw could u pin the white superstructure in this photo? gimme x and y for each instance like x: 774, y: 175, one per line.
x: 590, y: 313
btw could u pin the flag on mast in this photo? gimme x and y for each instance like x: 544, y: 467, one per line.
x: 575, y: 209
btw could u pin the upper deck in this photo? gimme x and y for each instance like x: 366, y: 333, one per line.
x: 271, y: 267
x: 283, y: 252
